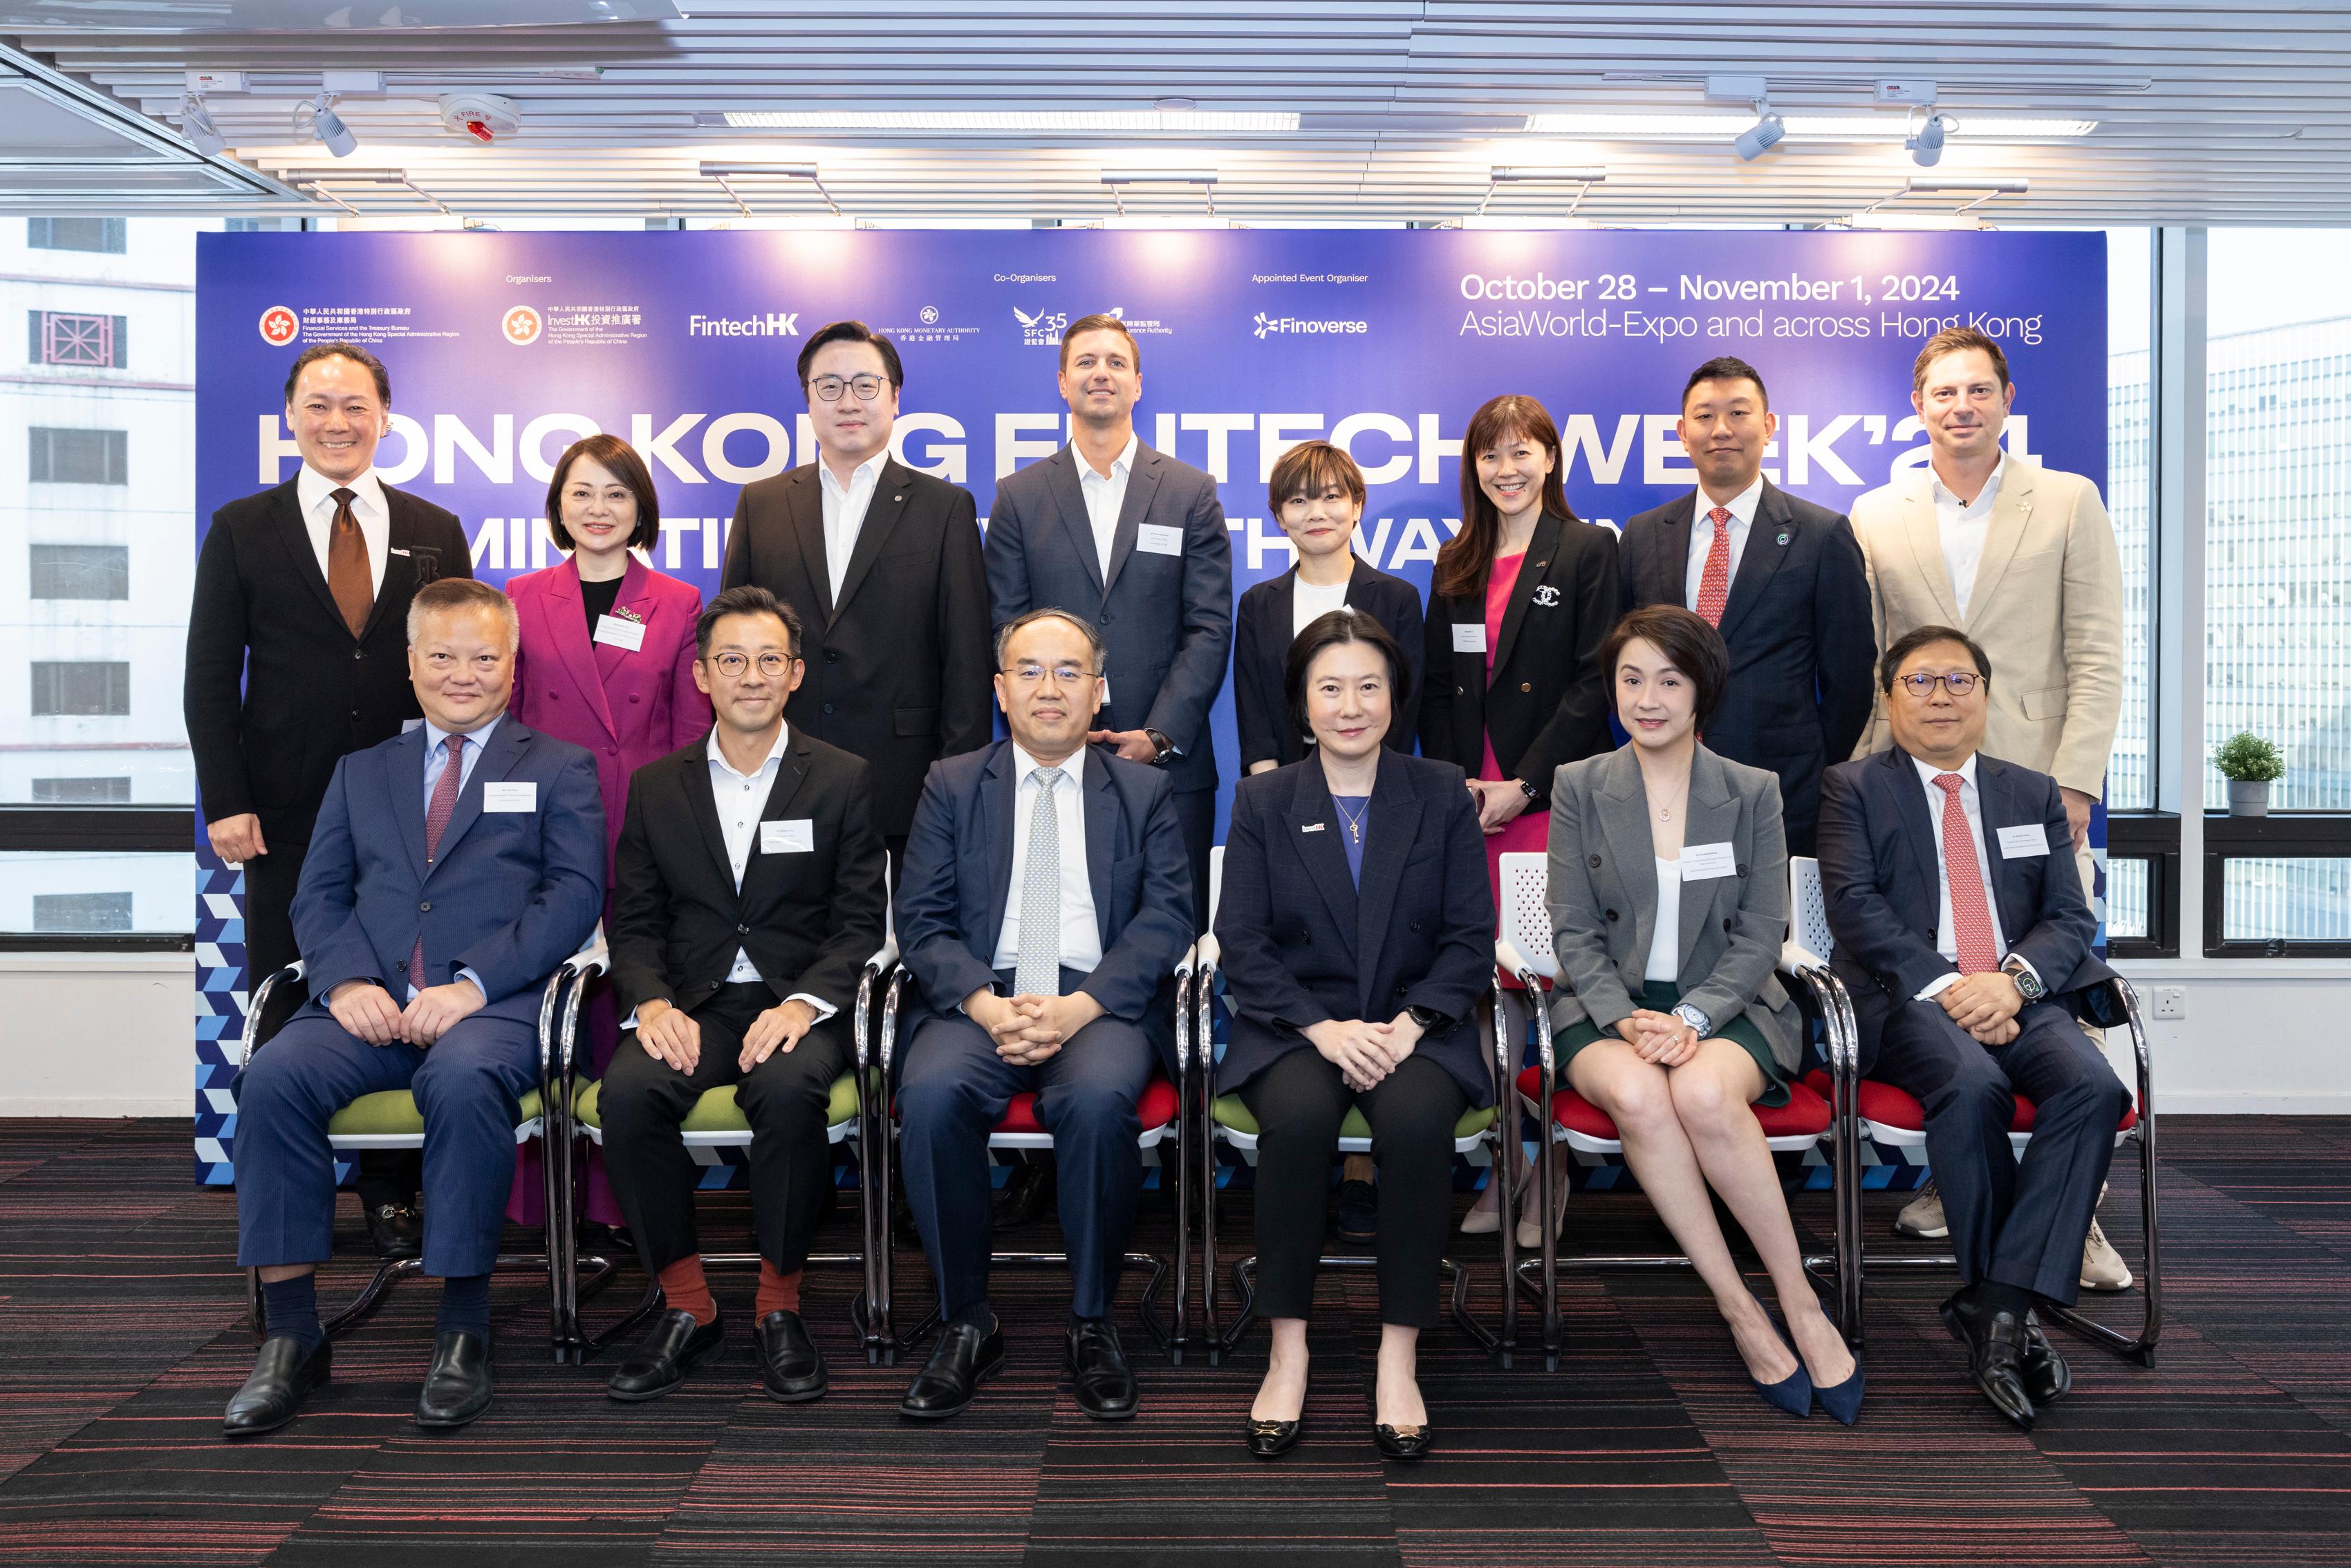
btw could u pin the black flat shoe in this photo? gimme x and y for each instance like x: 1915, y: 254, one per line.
x: 1271, y: 1439
x: 1402, y: 1443
x: 790, y: 1363
x: 1097, y: 1363
x: 282, y: 1377
x: 2046, y: 1376
x: 397, y: 1230
x: 964, y: 1358
x: 457, y: 1384
x: 1359, y: 1213
x: 657, y: 1363
x: 1995, y: 1343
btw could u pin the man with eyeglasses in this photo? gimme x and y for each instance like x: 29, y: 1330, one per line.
x: 881, y: 565
x: 1046, y: 900
x: 748, y: 894
x: 1965, y: 941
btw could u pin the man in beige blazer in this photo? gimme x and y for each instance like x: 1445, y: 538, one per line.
x: 2023, y: 560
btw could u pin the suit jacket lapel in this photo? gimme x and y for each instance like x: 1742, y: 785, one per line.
x: 1393, y: 824
x: 1000, y: 798
x: 1624, y: 825
x: 804, y: 512
x: 760, y: 871
x: 1141, y: 481
x: 1770, y: 535
x: 405, y: 761
x: 1101, y: 809
x: 636, y: 594
x: 1314, y: 828
x: 1539, y: 550
x: 694, y: 778
x: 1995, y: 796
x: 402, y: 542
x: 296, y: 532
x: 504, y: 753
x: 887, y: 505
x: 1926, y: 535
x: 1071, y: 497
x: 1920, y: 830
x: 1712, y: 816
x: 1670, y: 562
x: 2010, y: 510
x: 569, y: 629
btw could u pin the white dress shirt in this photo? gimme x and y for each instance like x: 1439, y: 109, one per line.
x: 1309, y: 604
x: 1080, y: 936
x: 1962, y: 528
x: 316, y: 493
x: 1665, y: 942
x: 436, y: 763
x: 844, y: 513
x: 1741, y: 508
x: 1947, y: 939
x: 1104, y: 496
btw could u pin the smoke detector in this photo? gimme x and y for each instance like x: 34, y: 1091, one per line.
x: 483, y: 117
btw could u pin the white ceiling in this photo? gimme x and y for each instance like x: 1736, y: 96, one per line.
x: 2221, y: 114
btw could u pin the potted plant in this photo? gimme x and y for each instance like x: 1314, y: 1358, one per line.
x: 2251, y: 764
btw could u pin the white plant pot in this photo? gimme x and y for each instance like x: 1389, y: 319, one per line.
x: 2248, y: 797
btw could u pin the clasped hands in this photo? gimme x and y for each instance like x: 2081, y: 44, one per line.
x: 676, y: 1038
x: 1027, y: 1029
x: 366, y: 1009
x: 1362, y: 1051
x: 1984, y: 1005
x: 1499, y: 801
x: 1661, y: 1038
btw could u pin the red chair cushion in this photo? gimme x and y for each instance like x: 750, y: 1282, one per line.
x: 1885, y: 1105
x: 1805, y: 1115
x: 1155, y: 1109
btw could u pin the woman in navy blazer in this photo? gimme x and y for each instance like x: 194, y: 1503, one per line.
x: 1357, y: 930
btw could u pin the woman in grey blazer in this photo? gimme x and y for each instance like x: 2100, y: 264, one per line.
x: 1669, y: 879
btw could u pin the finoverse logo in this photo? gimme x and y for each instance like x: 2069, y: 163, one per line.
x: 773, y: 324
x: 1276, y: 326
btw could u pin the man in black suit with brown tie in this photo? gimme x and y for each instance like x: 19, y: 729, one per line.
x: 297, y: 643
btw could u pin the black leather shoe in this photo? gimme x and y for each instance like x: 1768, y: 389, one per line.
x: 1025, y: 1193
x: 790, y: 1363
x: 282, y: 1377
x: 2047, y: 1376
x: 657, y: 1363
x: 1402, y: 1443
x: 964, y: 1358
x: 1271, y: 1439
x: 1359, y: 1213
x: 1995, y: 1343
x: 1097, y: 1363
x: 397, y: 1230
x: 457, y: 1384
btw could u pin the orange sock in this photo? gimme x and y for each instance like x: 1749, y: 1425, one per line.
x: 778, y: 1292
x: 686, y: 1291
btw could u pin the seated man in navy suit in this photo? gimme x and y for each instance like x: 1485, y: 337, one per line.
x: 453, y: 868
x: 1963, y: 936
x: 1046, y: 898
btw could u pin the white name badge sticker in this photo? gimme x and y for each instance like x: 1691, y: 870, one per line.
x: 1704, y: 862
x: 2024, y: 842
x: 506, y: 795
x: 1469, y: 638
x: 796, y: 836
x: 1158, y: 538
x: 621, y: 631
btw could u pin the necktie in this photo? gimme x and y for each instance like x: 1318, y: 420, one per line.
x: 1714, y: 582
x: 1039, y: 972
x: 1970, y: 912
x: 346, y: 565
x: 436, y: 818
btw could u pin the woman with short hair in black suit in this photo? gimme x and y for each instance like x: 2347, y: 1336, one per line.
x: 1357, y: 932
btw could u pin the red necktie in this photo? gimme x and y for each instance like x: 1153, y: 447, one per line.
x: 437, y: 813
x: 348, y: 577
x: 1714, y: 582
x: 1970, y: 912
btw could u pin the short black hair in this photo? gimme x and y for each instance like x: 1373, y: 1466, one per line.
x: 619, y: 459
x: 1345, y: 624
x: 751, y: 598
x: 1005, y: 632
x: 1688, y: 643
x: 351, y: 351
x: 1727, y: 368
x: 854, y: 332
x: 1920, y: 637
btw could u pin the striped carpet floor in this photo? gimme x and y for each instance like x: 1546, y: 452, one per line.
x: 121, y: 1335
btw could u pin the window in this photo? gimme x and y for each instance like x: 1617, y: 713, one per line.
x: 2130, y: 485
x: 59, y: 456
x: 108, y: 235
x: 64, y: 337
x: 81, y: 912
x: 81, y: 791
x: 81, y: 571
x: 61, y: 689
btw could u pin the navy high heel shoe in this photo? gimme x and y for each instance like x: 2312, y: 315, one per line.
x: 1793, y: 1393
x: 1843, y: 1400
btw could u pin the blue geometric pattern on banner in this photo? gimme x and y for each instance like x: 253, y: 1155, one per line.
x: 220, y: 1011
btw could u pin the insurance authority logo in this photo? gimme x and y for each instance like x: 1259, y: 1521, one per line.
x: 522, y: 324
x: 280, y: 326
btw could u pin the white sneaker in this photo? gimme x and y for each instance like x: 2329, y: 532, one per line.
x: 1922, y: 1217
x: 2103, y: 1267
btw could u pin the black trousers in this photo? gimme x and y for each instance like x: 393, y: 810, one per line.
x: 785, y: 1099
x: 1196, y: 814
x: 1298, y: 1104
x: 2015, y: 1222
x: 269, y: 884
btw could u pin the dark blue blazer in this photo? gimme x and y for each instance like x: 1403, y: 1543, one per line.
x: 1802, y: 645
x: 1301, y: 943
x: 957, y: 884
x: 1878, y: 874
x: 510, y: 896
x: 1262, y: 639
x: 1165, y: 620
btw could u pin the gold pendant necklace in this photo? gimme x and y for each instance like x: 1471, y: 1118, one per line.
x: 1354, y: 824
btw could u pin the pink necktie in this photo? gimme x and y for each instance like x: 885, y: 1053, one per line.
x: 1714, y: 582
x: 1970, y: 912
x: 437, y: 813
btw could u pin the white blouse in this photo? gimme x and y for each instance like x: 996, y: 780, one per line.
x: 1666, y: 941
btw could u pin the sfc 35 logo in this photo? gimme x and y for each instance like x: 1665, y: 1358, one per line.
x: 522, y: 324
x: 280, y: 326
x: 1043, y: 329
x: 1280, y: 325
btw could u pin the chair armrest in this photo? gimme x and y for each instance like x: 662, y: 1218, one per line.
x: 1508, y: 959
x: 1795, y: 959
x: 1207, y: 954
x: 593, y: 959
x: 255, y: 1002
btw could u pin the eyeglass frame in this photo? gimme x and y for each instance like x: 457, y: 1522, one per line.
x: 1959, y: 682
x: 1014, y: 673
x: 847, y: 383
x: 718, y: 662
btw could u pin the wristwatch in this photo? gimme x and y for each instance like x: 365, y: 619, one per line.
x: 1695, y: 1018
x: 2028, y: 984
x: 1166, y: 747
x: 1532, y: 793
x: 1432, y: 1022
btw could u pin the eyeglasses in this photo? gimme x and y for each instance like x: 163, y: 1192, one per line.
x: 1961, y: 683
x: 828, y: 389
x: 1063, y: 675
x: 732, y: 665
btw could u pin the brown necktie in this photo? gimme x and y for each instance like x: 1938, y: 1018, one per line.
x: 346, y: 565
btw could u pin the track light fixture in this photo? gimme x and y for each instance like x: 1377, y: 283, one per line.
x: 196, y: 125
x: 316, y: 117
x: 1924, y: 138
x: 1761, y: 137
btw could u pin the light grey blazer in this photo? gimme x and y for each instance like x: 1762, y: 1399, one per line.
x: 1604, y: 895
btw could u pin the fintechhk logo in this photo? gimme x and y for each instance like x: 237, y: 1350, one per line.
x: 773, y: 324
x: 1278, y: 325
x: 280, y: 326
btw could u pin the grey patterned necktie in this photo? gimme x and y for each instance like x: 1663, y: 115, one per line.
x: 1040, y: 970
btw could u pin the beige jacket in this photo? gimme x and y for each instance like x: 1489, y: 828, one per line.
x: 2047, y: 606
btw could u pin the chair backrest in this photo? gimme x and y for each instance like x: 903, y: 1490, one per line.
x: 1808, y: 909
x: 1215, y: 882
x: 1525, y: 911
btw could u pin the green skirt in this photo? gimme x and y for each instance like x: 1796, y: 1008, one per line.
x: 1663, y: 997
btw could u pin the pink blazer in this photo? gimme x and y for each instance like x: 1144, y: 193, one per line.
x: 627, y: 708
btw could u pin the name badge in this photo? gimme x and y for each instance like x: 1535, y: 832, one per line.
x: 1704, y: 862
x: 506, y: 795
x: 795, y: 836
x: 1157, y: 538
x: 621, y: 632
x: 2024, y: 842
x: 1311, y: 827
x: 1469, y: 637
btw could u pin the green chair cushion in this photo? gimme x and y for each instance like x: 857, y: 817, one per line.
x: 393, y: 1112
x: 1232, y: 1113
x: 717, y: 1111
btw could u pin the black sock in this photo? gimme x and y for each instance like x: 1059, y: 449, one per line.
x: 464, y: 1306
x: 1994, y: 1297
x: 289, y: 1310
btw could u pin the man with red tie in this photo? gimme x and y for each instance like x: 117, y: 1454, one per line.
x: 1779, y: 577
x: 1963, y: 936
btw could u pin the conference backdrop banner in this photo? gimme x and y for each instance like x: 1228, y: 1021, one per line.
x: 504, y: 348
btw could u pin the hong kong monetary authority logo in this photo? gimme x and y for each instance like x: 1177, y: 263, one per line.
x: 280, y: 326
x: 522, y: 324
x: 1284, y: 325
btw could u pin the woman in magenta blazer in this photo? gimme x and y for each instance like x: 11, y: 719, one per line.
x: 606, y: 661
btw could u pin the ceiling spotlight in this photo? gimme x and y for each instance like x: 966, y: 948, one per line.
x: 1761, y: 137
x: 196, y: 125
x: 1925, y: 139
x: 316, y: 118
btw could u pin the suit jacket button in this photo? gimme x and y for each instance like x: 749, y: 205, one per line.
x: 359, y: 653
x: 426, y: 907
x: 1726, y: 923
x: 636, y: 696
x: 828, y: 707
x: 1612, y: 914
x: 1416, y: 925
x: 355, y: 714
x: 1458, y: 691
x: 401, y: 965
x: 1596, y: 863
x: 1401, y: 990
x: 1105, y: 620
x: 742, y: 930
x: 1526, y: 685
x: 1742, y: 868
x: 832, y: 655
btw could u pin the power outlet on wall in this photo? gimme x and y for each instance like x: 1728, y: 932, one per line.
x: 2171, y: 1001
